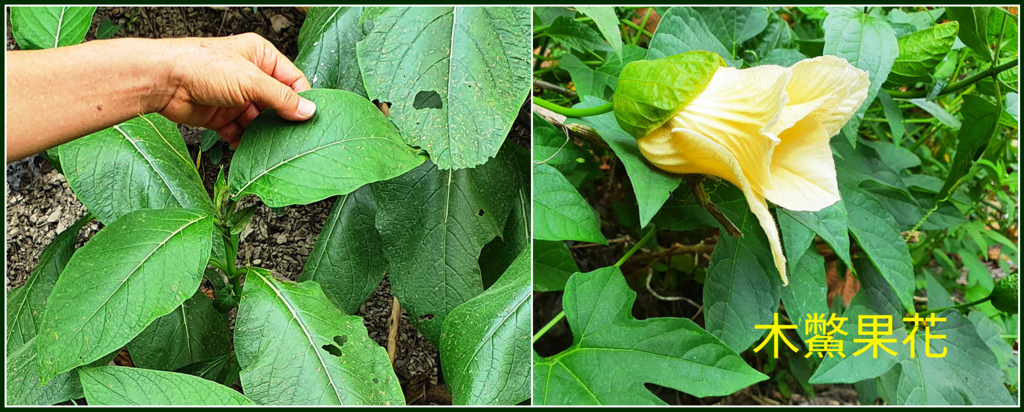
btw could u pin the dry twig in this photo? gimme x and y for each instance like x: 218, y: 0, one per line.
x: 396, y: 315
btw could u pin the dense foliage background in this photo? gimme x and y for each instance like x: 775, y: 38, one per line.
x: 928, y: 173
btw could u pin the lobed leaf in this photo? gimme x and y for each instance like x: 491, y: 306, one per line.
x: 560, y: 213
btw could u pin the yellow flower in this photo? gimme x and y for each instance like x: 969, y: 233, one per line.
x: 765, y: 129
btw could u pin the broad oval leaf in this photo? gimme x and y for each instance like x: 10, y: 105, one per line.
x: 37, y: 28
x: 348, y: 257
x: 498, y: 255
x: 560, y: 213
x: 116, y: 385
x: 434, y: 244
x: 296, y: 348
x: 139, y: 164
x: 25, y: 304
x: 133, y: 271
x: 456, y: 76
x: 742, y: 287
x: 878, y: 234
x: 650, y: 92
x: 485, y: 342
x: 346, y: 144
x: 921, y: 52
x: 22, y: 383
x: 327, y: 48
x: 193, y: 332
x: 613, y: 355
x: 868, y: 43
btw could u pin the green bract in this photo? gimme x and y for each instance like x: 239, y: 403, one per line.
x: 1006, y: 294
x: 651, y: 91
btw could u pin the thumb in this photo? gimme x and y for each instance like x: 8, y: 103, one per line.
x: 278, y: 96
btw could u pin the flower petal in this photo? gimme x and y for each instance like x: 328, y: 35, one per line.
x: 686, y: 151
x: 802, y: 169
x: 736, y: 110
x: 827, y: 88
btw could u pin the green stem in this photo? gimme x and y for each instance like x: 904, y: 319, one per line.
x: 992, y: 70
x: 643, y: 23
x: 961, y: 306
x: 640, y: 31
x: 547, y: 327
x: 564, y: 111
x: 636, y: 247
x: 879, y: 120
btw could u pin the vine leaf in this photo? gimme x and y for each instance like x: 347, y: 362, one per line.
x: 613, y: 355
x: 560, y: 212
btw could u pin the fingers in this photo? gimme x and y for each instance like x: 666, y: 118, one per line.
x: 272, y: 62
x: 231, y: 133
x: 280, y: 97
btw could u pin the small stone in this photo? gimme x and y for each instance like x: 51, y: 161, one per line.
x: 257, y: 261
x: 281, y: 239
x: 54, y: 217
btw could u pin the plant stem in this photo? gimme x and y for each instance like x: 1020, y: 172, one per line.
x: 705, y: 202
x: 961, y: 306
x: 543, y: 85
x: 636, y: 247
x: 564, y: 111
x: 643, y: 23
x: 879, y: 120
x: 992, y: 70
x: 640, y: 31
x: 547, y: 327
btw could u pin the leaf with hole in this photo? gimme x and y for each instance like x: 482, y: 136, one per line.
x: 281, y: 333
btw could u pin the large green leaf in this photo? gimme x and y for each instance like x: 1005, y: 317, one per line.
x: 983, y: 118
x: 498, y: 255
x: 587, y: 81
x: 456, y: 76
x: 348, y: 257
x: 921, y: 52
x: 50, y: 27
x: 734, y: 25
x: 560, y: 213
x: 348, y: 143
x: 878, y: 234
x: 485, y: 342
x: 868, y: 43
x: 652, y: 186
x: 743, y: 287
x: 552, y: 146
x: 193, y: 332
x: 327, y: 48
x: 133, y: 271
x: 652, y: 91
x: 973, y: 28
x: 25, y: 304
x: 296, y: 348
x: 574, y: 35
x: 552, y: 265
x: 608, y: 23
x: 830, y: 223
x: 115, y: 385
x: 613, y: 355
x: 433, y: 243
x: 807, y: 291
x: 683, y: 30
x: 22, y: 380
x: 139, y: 164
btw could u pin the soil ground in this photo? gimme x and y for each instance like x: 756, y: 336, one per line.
x: 39, y: 203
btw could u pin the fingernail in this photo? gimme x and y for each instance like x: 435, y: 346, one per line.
x: 306, y: 107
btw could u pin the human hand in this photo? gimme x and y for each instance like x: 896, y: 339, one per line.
x: 223, y: 83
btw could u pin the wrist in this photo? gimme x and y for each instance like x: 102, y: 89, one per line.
x: 158, y: 71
